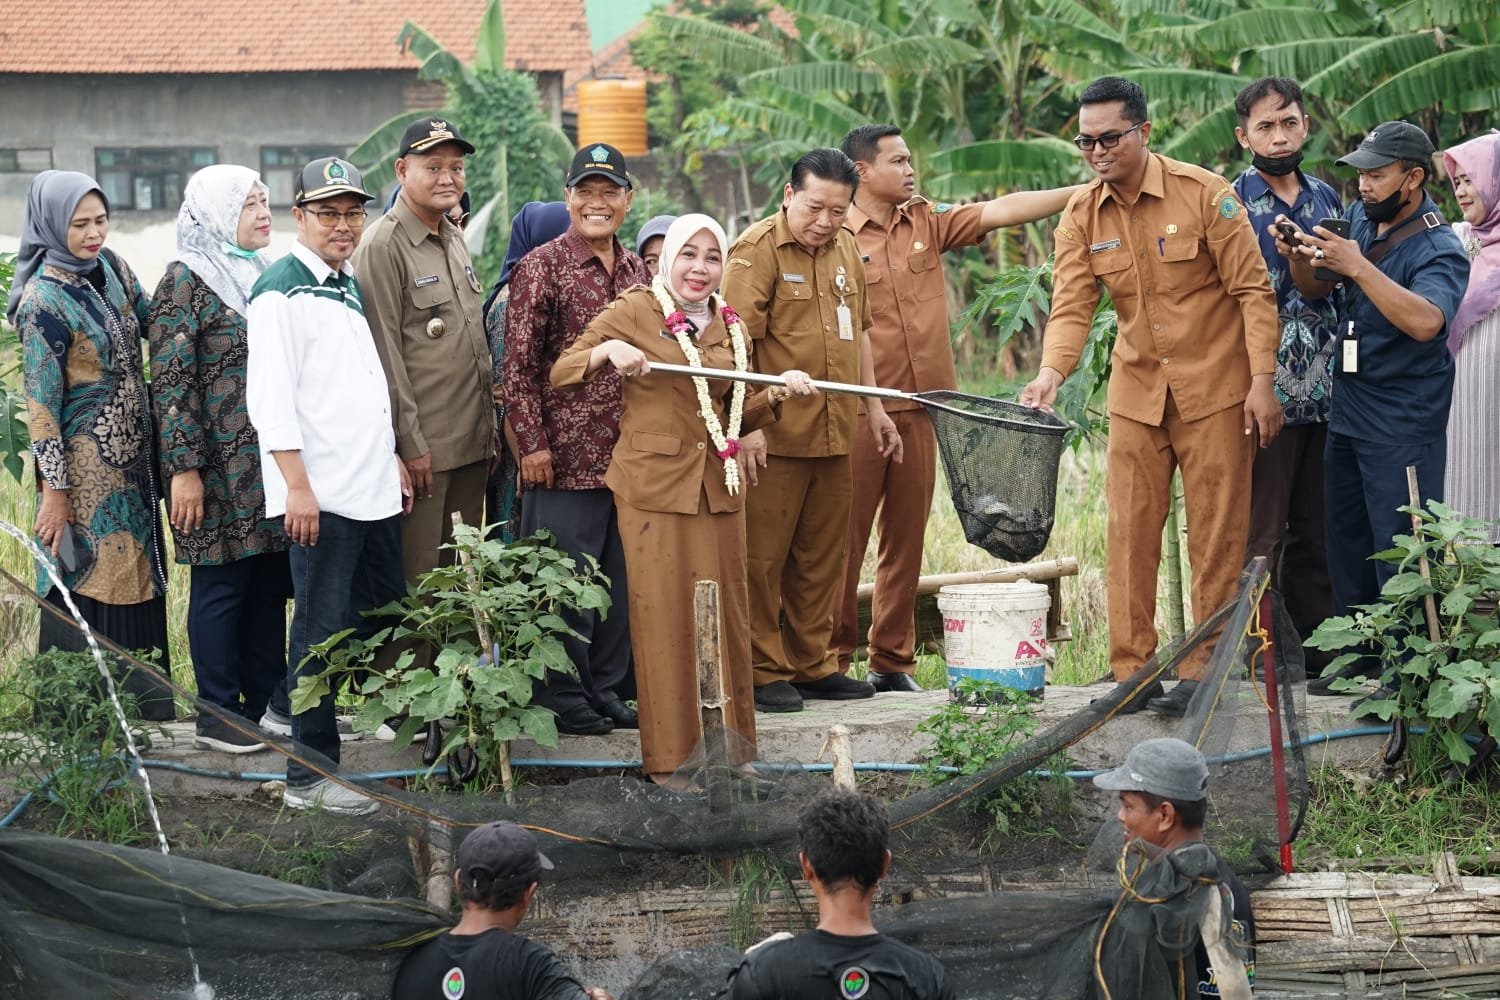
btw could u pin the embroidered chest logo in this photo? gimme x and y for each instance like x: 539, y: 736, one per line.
x: 453, y: 983
x: 854, y: 983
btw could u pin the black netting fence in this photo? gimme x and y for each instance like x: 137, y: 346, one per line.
x: 96, y: 920
x: 1001, y: 459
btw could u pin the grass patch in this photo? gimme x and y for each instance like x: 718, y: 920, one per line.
x: 1401, y: 822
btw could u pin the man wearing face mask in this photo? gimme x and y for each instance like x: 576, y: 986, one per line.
x: 1403, y: 273
x: 1286, y: 481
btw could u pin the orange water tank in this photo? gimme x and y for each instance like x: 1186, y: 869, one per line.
x: 613, y: 111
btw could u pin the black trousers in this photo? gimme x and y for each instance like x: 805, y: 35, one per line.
x: 237, y: 631
x: 582, y: 522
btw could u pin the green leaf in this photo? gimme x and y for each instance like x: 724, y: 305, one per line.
x: 489, y: 51
x: 920, y: 54
x: 308, y: 692
x: 1271, y: 25
x: 1430, y: 82
x: 816, y: 77
x: 735, y: 51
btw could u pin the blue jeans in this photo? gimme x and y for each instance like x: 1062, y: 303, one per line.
x: 1364, y: 487
x: 236, y: 625
x: 354, y: 567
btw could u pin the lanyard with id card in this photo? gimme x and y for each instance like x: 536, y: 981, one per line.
x: 846, y: 318
x: 1349, y: 351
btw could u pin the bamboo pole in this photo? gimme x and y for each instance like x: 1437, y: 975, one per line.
x: 1429, y: 603
x: 711, y: 695
x: 507, y: 777
x: 1176, y: 619
x: 842, y: 747
x: 1036, y: 572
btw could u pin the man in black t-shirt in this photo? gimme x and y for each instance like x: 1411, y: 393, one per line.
x: 844, y: 857
x: 1163, y: 788
x: 483, y: 958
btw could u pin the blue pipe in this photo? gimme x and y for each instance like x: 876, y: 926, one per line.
x: 617, y: 765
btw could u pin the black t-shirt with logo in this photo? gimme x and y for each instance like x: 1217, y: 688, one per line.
x: 817, y: 965
x: 484, y: 966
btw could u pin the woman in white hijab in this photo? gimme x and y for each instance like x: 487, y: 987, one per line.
x: 210, y: 456
x: 677, y: 486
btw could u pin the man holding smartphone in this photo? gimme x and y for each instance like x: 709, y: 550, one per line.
x: 1403, y: 273
x: 1286, y: 481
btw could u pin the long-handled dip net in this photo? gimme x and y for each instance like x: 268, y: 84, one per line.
x: 1001, y: 459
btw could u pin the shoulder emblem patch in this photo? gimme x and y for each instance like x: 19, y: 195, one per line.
x: 942, y: 207
x: 854, y: 983
x: 1228, y: 207
x: 1065, y: 233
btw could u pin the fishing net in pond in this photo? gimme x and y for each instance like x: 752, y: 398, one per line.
x: 637, y: 865
x: 1001, y: 460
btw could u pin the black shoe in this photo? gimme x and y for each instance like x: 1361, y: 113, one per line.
x: 778, y: 696
x: 214, y: 735
x: 1175, y: 702
x: 892, y: 681
x: 1138, y: 702
x: 621, y: 714
x: 836, y: 687
x: 582, y: 720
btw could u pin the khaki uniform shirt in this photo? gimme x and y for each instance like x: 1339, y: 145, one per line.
x: 441, y: 386
x: 908, y: 297
x: 788, y: 300
x: 1197, y: 316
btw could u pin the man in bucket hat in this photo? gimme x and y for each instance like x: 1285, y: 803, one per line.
x: 499, y: 865
x: 1163, y: 792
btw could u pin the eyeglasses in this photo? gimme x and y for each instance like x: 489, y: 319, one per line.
x: 328, y: 218
x: 1108, y: 140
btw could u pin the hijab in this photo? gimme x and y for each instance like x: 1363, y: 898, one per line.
x: 536, y: 223
x: 207, y: 225
x: 1480, y: 159
x: 51, y: 200
x: 678, y: 233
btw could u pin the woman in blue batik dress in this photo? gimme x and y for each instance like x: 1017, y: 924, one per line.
x: 80, y: 313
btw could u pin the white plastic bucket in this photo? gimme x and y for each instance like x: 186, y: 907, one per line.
x: 996, y: 632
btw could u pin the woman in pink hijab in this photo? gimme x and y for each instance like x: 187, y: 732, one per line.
x: 1472, y: 486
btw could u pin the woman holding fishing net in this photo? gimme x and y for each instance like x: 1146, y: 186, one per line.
x: 677, y: 483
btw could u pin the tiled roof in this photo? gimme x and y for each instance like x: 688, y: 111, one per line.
x: 274, y: 36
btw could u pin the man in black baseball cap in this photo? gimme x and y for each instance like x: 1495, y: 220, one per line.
x: 598, y: 159
x: 482, y: 956
x: 426, y: 134
x: 329, y: 177
x: 1403, y: 274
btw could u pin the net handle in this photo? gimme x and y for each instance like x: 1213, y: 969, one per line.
x: 756, y: 378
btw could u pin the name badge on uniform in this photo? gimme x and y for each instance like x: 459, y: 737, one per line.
x: 846, y: 322
x: 1106, y: 245
x: 473, y: 278
x: 425, y: 280
x: 1349, y: 351
x: 793, y: 277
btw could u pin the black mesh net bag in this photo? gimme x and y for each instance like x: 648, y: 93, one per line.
x: 1001, y: 459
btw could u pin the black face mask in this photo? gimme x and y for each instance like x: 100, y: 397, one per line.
x: 1386, y: 209
x: 1276, y: 166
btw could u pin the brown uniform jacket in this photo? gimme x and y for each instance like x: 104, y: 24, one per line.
x: 909, y: 334
x: 1197, y: 316
x: 441, y: 387
x: 789, y: 301
x: 664, y: 460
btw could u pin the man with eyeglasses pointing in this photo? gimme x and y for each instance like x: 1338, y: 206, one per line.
x: 1192, y: 366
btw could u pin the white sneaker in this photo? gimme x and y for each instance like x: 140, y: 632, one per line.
x: 329, y: 797
x: 279, y: 725
x: 385, y: 733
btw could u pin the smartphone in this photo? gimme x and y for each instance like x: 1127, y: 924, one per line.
x: 73, y: 554
x: 1288, y: 232
x: 1339, y: 228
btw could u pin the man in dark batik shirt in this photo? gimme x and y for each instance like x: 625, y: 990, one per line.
x: 565, y: 438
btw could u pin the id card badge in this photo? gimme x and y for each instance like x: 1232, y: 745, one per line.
x: 846, y: 322
x: 1349, y: 351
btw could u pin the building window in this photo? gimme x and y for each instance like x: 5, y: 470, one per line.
x: 279, y: 166
x: 148, y: 180
x: 25, y: 161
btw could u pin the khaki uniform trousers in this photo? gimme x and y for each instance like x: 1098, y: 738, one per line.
x: 797, y: 527
x: 903, y: 495
x: 665, y: 556
x: 1215, y: 456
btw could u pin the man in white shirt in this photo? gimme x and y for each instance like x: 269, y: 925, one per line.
x: 320, y: 404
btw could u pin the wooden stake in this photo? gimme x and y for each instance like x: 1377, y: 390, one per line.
x: 1429, y: 603
x: 842, y: 748
x: 507, y: 778
x: 711, y: 695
